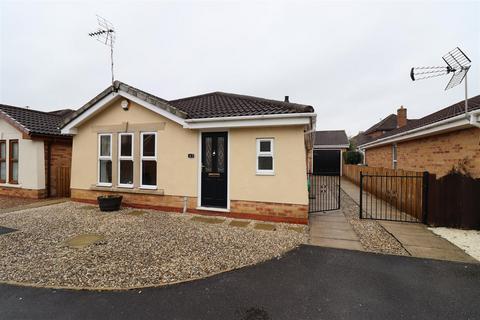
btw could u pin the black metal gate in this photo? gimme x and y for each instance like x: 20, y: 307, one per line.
x: 394, y: 197
x: 323, y: 192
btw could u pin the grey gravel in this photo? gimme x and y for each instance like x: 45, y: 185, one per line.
x: 154, y: 248
x: 373, y: 236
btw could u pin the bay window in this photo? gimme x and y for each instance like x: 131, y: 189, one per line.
x: 265, y: 161
x: 148, y: 160
x: 105, y: 159
x: 125, y: 160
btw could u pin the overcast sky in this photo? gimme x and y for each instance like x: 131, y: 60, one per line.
x: 350, y: 60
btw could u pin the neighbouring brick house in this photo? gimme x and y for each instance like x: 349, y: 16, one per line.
x: 435, y: 143
x: 34, y: 156
x: 216, y: 153
x: 387, y: 124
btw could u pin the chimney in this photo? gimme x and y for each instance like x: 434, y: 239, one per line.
x: 286, y: 99
x: 401, y: 117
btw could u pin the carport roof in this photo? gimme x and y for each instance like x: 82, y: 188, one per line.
x: 331, y: 138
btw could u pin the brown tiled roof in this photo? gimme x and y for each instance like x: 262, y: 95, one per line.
x: 448, y: 112
x: 210, y: 105
x: 330, y: 138
x: 32, y: 122
x: 386, y: 124
x: 221, y: 104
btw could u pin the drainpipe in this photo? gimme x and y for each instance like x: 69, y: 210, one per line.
x: 49, y: 162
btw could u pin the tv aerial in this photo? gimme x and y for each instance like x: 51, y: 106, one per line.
x: 457, y: 63
x: 106, y: 35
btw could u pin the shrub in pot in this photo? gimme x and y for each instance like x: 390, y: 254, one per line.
x: 109, y: 202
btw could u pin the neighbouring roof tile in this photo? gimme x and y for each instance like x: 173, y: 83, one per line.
x: 330, y: 138
x: 34, y: 121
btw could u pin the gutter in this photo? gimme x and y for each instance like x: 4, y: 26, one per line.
x: 471, y: 121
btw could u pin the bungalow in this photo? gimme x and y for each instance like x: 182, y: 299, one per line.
x: 216, y: 153
x: 34, y: 155
x: 436, y: 143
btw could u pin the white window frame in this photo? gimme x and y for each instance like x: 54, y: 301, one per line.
x: 265, y: 154
x: 120, y: 158
x: 100, y: 157
x: 394, y: 156
x: 149, y: 158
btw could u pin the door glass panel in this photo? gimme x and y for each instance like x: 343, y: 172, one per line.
x: 265, y: 163
x: 105, y: 171
x: 3, y: 171
x: 208, y: 154
x: 149, y: 145
x: 126, y: 145
x: 149, y: 173
x: 126, y: 172
x: 265, y: 146
x: 221, y: 154
x: 105, y: 146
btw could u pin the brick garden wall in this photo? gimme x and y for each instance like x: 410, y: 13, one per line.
x: 266, y: 211
x: 436, y: 154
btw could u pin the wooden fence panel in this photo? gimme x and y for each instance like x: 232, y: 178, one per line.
x: 63, y: 182
x: 392, y: 186
x: 453, y: 201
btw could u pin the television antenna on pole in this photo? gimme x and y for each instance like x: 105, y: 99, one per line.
x: 106, y: 35
x: 457, y: 63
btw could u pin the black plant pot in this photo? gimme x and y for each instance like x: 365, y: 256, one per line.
x: 109, y: 203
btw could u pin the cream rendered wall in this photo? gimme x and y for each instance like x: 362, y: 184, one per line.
x: 287, y: 185
x: 31, y: 162
x: 176, y: 173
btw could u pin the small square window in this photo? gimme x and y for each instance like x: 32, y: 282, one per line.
x: 265, y: 156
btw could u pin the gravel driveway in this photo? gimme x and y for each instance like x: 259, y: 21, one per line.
x: 139, y: 248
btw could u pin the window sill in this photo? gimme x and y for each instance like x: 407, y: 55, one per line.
x: 127, y: 190
x: 259, y: 173
x: 11, y: 185
x: 125, y: 186
x: 148, y: 188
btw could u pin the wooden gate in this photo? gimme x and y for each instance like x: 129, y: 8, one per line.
x: 62, y: 185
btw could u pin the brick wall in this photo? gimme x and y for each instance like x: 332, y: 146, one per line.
x: 22, y: 193
x: 266, y: 211
x: 436, y: 154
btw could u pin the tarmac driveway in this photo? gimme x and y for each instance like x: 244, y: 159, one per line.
x: 308, y: 283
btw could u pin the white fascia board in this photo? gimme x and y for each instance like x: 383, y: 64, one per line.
x: 71, y: 127
x: 233, y: 123
x: 446, y: 125
x: 153, y: 108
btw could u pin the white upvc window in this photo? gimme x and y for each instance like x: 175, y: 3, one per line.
x: 105, y: 160
x: 394, y: 156
x: 148, y: 160
x: 265, y: 156
x: 125, y: 160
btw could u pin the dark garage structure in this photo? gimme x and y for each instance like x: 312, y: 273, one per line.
x: 327, y: 152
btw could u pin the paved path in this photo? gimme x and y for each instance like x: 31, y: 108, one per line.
x: 308, y: 283
x: 331, y: 229
x: 417, y: 240
x: 35, y: 204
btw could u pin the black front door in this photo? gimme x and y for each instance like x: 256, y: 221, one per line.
x: 214, y: 169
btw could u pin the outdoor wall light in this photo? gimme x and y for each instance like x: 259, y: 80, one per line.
x: 124, y: 104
